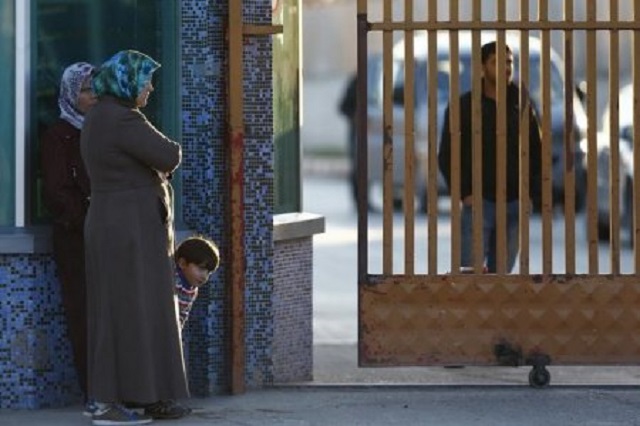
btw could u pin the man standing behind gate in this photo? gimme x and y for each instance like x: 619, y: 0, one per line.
x: 489, y: 173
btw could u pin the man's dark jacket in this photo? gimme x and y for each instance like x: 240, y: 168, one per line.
x: 489, y: 147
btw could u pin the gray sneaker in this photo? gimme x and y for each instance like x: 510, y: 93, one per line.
x: 116, y: 414
x: 166, y: 410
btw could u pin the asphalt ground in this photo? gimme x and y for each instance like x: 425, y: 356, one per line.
x: 392, y: 405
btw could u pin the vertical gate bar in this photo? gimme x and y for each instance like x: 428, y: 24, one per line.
x: 569, y: 147
x: 525, y: 100
x: 387, y: 144
x: 454, y: 120
x: 432, y: 182
x: 476, y: 148
x: 614, y: 133
x: 636, y: 137
x: 362, y: 142
x: 547, y: 175
x: 236, y: 196
x: 592, y: 171
x: 362, y: 156
x: 409, y: 143
x: 501, y: 142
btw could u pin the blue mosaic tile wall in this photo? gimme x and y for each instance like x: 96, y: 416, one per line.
x: 293, y: 311
x: 259, y: 158
x: 205, y: 190
x: 204, y: 182
x: 36, y: 368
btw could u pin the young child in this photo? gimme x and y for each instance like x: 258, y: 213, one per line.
x: 196, y: 259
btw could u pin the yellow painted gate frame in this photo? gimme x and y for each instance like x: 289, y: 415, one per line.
x: 473, y: 318
x: 237, y: 30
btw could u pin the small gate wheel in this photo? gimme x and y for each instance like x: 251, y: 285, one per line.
x: 539, y: 377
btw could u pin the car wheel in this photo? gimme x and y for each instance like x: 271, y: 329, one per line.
x: 374, y: 197
x: 581, y: 200
x: 581, y: 190
x: 397, y: 204
x: 423, y: 206
x: 603, y: 231
x: 602, y: 227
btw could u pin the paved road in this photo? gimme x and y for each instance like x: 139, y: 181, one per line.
x: 386, y: 406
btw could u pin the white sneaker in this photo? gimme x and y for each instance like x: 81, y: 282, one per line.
x: 90, y: 408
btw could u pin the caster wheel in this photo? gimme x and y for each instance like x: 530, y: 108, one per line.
x: 539, y: 377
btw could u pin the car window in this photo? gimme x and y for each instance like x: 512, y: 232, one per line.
x: 421, y: 91
x: 374, y: 79
x: 625, y: 113
x: 535, y: 82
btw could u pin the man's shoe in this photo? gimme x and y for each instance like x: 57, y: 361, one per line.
x: 166, y: 410
x: 115, y: 414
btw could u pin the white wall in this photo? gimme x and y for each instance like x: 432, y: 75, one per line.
x: 329, y: 30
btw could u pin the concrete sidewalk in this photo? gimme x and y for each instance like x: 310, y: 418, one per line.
x: 343, y: 394
x: 338, y: 365
x: 391, y: 405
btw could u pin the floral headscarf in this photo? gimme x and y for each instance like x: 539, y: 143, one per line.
x: 70, y: 85
x: 124, y: 75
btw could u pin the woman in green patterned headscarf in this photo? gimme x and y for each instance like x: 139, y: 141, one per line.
x: 134, y: 342
x: 127, y: 76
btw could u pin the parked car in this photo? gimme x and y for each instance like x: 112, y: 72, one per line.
x: 375, y: 111
x: 626, y: 167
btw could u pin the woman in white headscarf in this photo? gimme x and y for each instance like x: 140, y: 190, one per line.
x: 66, y: 196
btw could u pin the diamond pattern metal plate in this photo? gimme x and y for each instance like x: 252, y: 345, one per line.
x: 499, y: 320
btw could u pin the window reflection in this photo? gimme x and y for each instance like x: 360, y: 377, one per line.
x: 92, y: 30
x: 7, y: 115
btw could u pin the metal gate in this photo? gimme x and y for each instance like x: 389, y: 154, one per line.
x: 567, y: 303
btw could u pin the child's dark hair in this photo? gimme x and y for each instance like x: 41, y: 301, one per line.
x: 200, y: 251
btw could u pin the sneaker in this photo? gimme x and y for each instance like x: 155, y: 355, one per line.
x: 166, y: 410
x: 132, y: 405
x: 116, y: 414
x: 90, y: 408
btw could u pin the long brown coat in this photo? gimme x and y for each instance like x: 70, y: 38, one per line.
x: 66, y: 192
x: 135, y: 352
